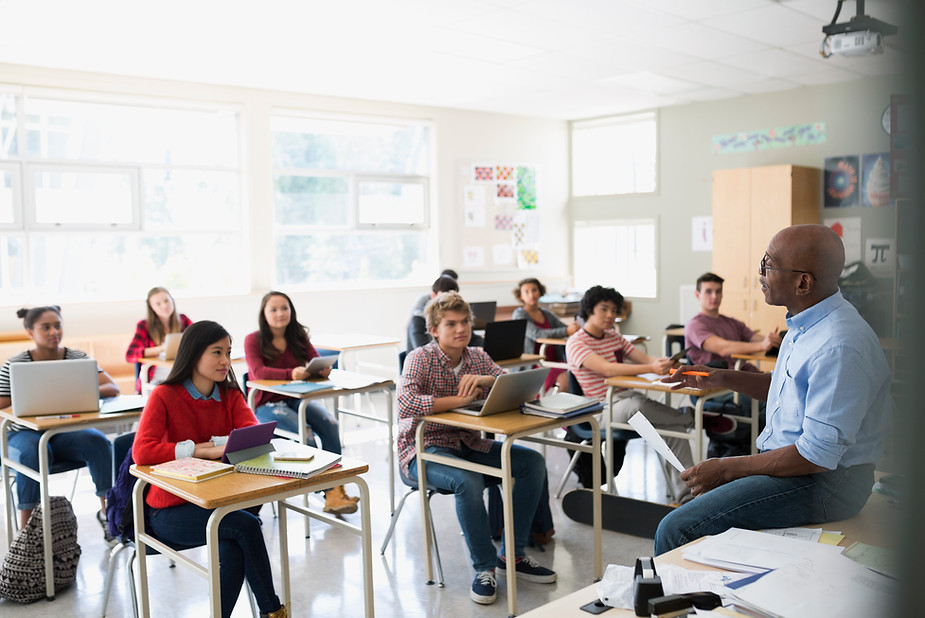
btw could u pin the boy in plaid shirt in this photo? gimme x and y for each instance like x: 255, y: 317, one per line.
x: 447, y: 374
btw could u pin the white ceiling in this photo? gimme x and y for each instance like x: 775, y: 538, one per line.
x: 552, y: 58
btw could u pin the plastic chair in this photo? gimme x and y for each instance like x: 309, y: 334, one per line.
x: 431, y: 492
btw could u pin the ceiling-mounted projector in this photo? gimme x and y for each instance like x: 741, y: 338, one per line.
x: 862, y: 35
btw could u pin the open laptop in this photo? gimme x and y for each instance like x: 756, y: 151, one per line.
x: 171, y: 345
x: 505, y: 340
x: 508, y: 392
x: 62, y: 387
x: 483, y: 313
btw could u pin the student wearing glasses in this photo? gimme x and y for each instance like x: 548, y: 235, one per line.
x: 828, y: 406
x: 43, y: 324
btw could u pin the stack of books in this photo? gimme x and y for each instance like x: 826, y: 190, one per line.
x: 562, y: 405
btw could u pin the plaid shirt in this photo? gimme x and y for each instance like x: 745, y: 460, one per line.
x: 142, y: 340
x: 428, y: 375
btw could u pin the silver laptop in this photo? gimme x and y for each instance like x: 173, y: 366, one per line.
x: 171, y: 345
x: 508, y: 392
x: 55, y: 387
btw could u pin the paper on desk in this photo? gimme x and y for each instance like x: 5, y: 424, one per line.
x: 749, y: 551
x: 352, y: 379
x: 652, y: 377
x: 645, y: 429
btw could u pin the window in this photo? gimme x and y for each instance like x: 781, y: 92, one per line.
x: 97, y: 189
x: 617, y: 254
x: 351, y: 200
x: 615, y: 155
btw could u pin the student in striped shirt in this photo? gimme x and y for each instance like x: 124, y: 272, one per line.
x: 598, y: 352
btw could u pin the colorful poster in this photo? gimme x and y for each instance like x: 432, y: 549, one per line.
x: 526, y: 188
x: 504, y: 192
x: 482, y: 172
x: 849, y: 230
x: 504, y: 172
x: 875, y: 179
x: 841, y: 181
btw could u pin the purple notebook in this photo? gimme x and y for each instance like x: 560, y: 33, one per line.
x: 249, y: 438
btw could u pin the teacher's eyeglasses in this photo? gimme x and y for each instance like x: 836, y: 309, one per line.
x: 763, y: 268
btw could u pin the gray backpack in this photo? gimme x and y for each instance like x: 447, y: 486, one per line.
x: 22, y: 577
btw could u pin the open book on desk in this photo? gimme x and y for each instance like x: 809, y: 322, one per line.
x: 281, y: 461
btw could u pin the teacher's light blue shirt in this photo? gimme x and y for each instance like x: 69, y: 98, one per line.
x: 830, y: 392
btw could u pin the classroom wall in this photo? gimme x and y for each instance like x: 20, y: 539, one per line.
x: 851, y: 111
x: 461, y: 137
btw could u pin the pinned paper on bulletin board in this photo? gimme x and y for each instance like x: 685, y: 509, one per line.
x: 880, y: 256
x: 701, y: 233
x: 849, y: 230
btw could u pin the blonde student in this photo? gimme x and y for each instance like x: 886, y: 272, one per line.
x: 279, y: 350
x: 44, y: 326
x: 162, y: 319
x: 191, y: 415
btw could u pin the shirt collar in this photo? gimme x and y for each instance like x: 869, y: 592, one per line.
x: 195, y: 394
x: 808, y: 317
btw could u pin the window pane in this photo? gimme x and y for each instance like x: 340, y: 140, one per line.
x: 8, y: 126
x: 83, y: 197
x: 124, y: 133
x: 614, y: 157
x: 391, y: 203
x: 349, y: 258
x: 311, y: 200
x: 340, y: 145
x: 68, y: 266
x: 618, y: 255
x: 11, y: 262
x: 194, y: 200
x: 6, y: 197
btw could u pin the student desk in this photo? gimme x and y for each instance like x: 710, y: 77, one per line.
x: 513, y: 425
x: 525, y: 361
x: 876, y: 524
x: 49, y: 427
x: 383, y: 386
x: 347, y: 345
x: 757, y: 359
x: 617, y: 383
x: 235, y: 491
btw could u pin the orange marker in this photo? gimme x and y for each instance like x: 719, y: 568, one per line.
x: 690, y: 373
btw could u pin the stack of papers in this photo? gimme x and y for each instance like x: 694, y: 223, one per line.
x: 562, y: 405
x: 748, y: 551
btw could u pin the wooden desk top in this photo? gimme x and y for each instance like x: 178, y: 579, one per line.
x: 552, y: 340
x: 756, y: 358
x: 675, y: 332
x: 267, y: 385
x: 524, y: 358
x: 238, y: 486
x: 505, y: 423
x: 661, y: 387
x: 352, y: 341
x: 37, y: 423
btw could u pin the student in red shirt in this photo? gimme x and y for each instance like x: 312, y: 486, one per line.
x: 191, y: 415
x: 150, y: 333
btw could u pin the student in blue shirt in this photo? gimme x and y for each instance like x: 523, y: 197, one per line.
x: 828, y: 407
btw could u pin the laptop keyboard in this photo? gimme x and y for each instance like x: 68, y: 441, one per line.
x: 475, y: 406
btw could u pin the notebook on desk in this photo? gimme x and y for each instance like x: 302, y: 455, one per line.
x: 55, y: 387
x: 508, y: 392
x: 483, y: 313
x: 505, y: 340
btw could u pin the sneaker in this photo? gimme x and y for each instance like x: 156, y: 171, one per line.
x: 107, y: 538
x: 484, y: 588
x: 719, y: 425
x: 529, y: 569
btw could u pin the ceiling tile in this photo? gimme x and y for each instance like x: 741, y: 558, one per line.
x: 766, y: 85
x: 703, y: 41
x: 701, y: 9
x: 776, y: 62
x: 710, y: 74
x: 774, y: 25
x: 650, y: 82
x: 524, y: 29
x: 466, y: 45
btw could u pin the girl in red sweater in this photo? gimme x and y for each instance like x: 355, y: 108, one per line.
x: 191, y: 415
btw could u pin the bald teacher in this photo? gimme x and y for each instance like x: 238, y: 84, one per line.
x: 828, y: 407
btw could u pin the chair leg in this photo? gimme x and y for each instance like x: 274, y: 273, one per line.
x: 571, y: 466
x: 110, y: 572
x: 250, y: 599
x: 433, y: 531
x: 74, y: 486
x: 388, y: 535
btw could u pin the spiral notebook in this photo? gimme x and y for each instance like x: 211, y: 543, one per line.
x: 280, y: 461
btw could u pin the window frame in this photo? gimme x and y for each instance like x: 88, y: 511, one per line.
x: 15, y: 169
x: 608, y: 121
x: 617, y: 268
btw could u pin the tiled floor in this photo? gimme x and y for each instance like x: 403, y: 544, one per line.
x: 326, y: 568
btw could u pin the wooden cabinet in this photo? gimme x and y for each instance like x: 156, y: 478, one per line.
x: 750, y: 205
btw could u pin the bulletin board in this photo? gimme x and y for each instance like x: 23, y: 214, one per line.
x: 500, y: 225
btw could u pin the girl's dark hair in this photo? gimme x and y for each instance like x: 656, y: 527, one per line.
x: 598, y: 294
x: 523, y: 282
x: 196, y: 338
x: 296, y: 335
x: 29, y: 316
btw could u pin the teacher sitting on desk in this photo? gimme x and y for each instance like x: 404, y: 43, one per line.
x: 87, y: 445
x: 828, y: 406
x: 279, y: 351
x: 191, y: 415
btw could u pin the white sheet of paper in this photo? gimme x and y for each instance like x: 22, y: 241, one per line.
x: 645, y: 429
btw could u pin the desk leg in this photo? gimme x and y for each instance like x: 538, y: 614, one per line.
x: 596, y: 478
x: 425, y: 511
x: 755, y: 418
x: 367, y: 540
x: 303, y: 438
x: 698, y: 430
x: 509, y: 554
x: 282, y: 521
x: 214, y: 577
x: 7, y: 492
x: 608, y: 444
x: 46, y: 516
x: 139, y: 521
x: 390, y: 415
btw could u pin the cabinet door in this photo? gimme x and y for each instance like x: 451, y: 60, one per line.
x: 731, y: 222
x: 771, y: 198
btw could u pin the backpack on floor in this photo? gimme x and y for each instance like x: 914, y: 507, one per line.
x: 22, y: 577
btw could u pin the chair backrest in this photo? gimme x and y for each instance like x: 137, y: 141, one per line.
x: 673, y: 340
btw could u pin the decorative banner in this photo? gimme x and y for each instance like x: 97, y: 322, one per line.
x: 875, y: 179
x: 763, y: 139
x: 841, y: 181
x: 526, y: 188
